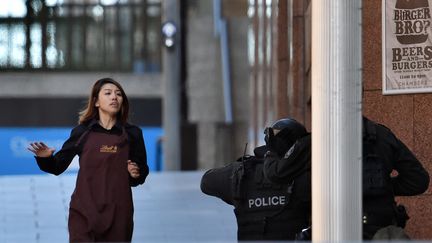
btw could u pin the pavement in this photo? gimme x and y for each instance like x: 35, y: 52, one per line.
x: 169, y: 207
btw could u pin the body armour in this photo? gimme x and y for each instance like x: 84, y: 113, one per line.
x: 376, y: 170
x: 379, y: 206
x: 268, y: 211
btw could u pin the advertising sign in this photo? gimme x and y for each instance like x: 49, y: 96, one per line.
x: 407, y: 46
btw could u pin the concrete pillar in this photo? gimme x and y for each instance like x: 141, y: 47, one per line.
x: 219, y: 142
x: 171, y: 90
x: 336, y: 121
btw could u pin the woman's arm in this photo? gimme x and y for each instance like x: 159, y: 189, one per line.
x: 138, y: 156
x: 57, y: 163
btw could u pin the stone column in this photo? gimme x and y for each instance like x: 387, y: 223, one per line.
x: 336, y: 121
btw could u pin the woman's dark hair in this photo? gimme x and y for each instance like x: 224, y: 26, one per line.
x: 91, y: 112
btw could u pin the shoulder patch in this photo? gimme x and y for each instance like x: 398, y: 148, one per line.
x: 289, y: 152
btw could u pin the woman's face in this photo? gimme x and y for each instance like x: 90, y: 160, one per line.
x: 110, y: 100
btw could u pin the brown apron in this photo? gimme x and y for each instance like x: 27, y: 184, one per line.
x: 101, y: 206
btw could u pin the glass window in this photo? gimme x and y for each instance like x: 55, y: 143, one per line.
x: 13, y: 8
x: 80, y: 35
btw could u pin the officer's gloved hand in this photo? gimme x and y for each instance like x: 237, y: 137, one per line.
x: 274, y: 143
x: 269, y: 136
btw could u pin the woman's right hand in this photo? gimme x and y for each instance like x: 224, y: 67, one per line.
x: 40, y: 149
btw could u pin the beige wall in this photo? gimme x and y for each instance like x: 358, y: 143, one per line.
x: 408, y: 116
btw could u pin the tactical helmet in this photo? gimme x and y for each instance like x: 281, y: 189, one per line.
x: 283, y: 134
x: 288, y: 123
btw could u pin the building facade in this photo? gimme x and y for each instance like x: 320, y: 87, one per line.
x: 287, y: 92
x: 51, y: 53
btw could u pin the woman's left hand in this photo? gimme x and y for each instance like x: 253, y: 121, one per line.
x: 133, y: 169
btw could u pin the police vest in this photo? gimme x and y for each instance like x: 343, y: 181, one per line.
x: 376, y: 178
x: 268, y: 211
x: 378, y: 196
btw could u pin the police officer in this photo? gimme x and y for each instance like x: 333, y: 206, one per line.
x: 383, y: 153
x: 264, y: 210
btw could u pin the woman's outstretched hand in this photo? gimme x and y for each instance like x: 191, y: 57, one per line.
x: 133, y: 169
x: 40, y: 149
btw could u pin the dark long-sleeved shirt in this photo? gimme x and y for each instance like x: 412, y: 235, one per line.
x: 61, y: 160
x: 218, y: 181
x: 412, y: 178
x: 296, y: 161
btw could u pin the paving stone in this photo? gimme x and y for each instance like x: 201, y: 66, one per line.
x: 169, y: 207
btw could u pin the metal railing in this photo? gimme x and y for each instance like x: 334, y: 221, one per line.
x: 121, y: 37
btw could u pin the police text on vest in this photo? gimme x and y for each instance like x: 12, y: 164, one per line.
x: 266, y: 201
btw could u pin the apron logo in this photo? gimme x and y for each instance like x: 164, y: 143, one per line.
x: 108, y: 149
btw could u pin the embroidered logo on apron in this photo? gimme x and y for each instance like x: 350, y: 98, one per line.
x: 108, y: 149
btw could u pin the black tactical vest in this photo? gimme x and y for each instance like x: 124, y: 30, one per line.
x: 376, y: 171
x: 268, y: 211
x: 378, y: 197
